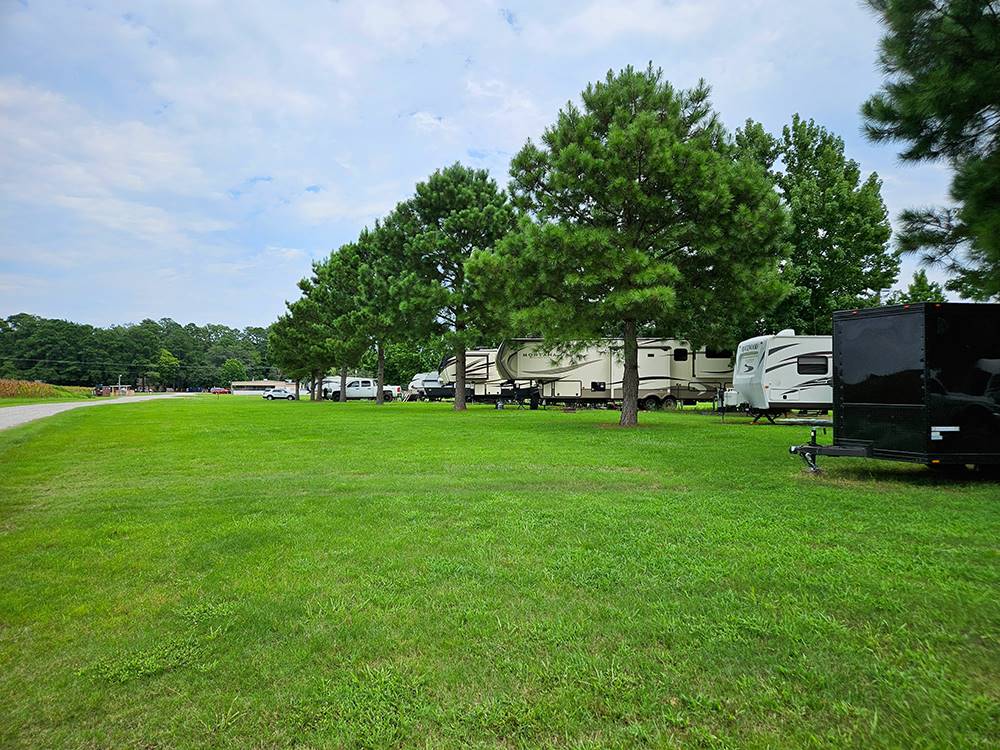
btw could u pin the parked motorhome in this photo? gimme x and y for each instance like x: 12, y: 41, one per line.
x: 918, y: 383
x: 670, y: 371
x: 781, y: 373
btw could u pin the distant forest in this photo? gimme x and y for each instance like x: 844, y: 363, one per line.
x: 164, y: 353
x: 155, y: 352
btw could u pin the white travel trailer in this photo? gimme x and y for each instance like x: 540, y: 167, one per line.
x: 670, y: 371
x: 781, y: 373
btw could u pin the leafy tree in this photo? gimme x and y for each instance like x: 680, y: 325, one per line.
x: 232, y: 370
x: 333, y: 288
x: 921, y: 289
x: 405, y: 359
x: 299, y: 344
x: 455, y: 213
x: 386, y: 306
x: 840, y: 228
x: 942, y: 99
x: 167, y: 365
x: 642, y: 216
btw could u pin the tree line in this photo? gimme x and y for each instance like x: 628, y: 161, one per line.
x: 157, y: 353
x: 636, y: 214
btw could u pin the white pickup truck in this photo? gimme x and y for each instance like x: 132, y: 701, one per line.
x: 363, y: 388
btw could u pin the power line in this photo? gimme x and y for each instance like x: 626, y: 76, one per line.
x: 96, y: 363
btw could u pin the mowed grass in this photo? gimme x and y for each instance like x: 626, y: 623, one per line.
x: 4, y: 402
x: 227, y: 572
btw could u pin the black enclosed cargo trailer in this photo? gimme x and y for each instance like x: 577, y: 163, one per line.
x: 916, y: 383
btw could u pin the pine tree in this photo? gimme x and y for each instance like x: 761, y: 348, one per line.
x: 640, y: 217
x: 942, y: 100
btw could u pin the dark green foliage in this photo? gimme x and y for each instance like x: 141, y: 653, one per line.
x: 405, y: 359
x: 921, y: 289
x: 455, y: 213
x: 941, y: 99
x: 641, y: 217
x: 301, y: 343
x: 840, y: 228
x: 334, y: 291
x: 232, y: 370
x: 65, y: 353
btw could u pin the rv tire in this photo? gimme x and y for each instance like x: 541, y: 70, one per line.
x: 651, y: 403
x: 670, y: 402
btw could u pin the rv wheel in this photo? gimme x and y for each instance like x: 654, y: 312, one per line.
x: 651, y: 403
x: 670, y: 402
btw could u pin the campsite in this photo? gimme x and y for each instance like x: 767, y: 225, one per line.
x: 435, y: 374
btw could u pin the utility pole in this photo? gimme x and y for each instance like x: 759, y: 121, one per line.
x: 119, y: 386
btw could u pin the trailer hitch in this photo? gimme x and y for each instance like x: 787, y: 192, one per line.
x: 808, y: 452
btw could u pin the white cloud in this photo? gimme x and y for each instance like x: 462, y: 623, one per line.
x: 331, y: 206
x: 601, y: 23
x: 197, y: 133
x: 430, y: 123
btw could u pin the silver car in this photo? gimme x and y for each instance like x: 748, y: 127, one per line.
x: 279, y: 393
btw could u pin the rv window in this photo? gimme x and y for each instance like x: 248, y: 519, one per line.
x: 810, y: 364
x: 718, y: 354
x: 680, y: 355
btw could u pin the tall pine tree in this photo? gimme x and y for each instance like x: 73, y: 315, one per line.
x: 641, y: 217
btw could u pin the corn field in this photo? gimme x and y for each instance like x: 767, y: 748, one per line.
x: 31, y: 389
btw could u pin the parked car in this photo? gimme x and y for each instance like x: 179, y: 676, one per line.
x: 364, y: 388
x: 217, y: 389
x: 279, y: 393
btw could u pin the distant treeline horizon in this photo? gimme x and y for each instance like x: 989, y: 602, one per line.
x: 165, y: 353
x: 62, y: 352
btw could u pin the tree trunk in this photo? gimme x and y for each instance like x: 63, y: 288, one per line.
x: 630, y: 378
x: 460, y: 379
x: 312, y: 387
x: 343, y: 384
x: 297, y: 383
x: 380, y: 375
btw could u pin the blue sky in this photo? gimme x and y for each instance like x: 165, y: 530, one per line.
x: 190, y: 159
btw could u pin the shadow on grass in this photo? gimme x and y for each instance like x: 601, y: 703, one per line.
x: 912, y: 474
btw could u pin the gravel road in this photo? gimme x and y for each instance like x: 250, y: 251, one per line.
x: 12, y: 416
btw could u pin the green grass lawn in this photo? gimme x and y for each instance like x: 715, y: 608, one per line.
x: 26, y: 401
x: 237, y: 573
